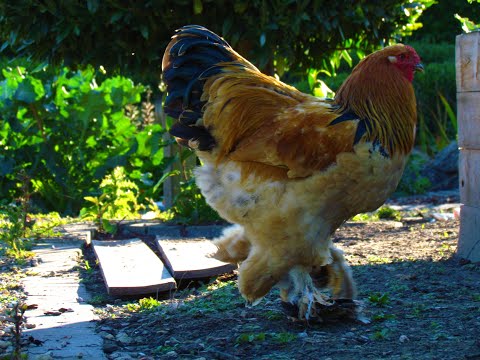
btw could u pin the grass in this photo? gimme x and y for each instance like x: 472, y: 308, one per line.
x: 277, y: 338
x: 381, y: 334
x: 379, y: 299
x: 383, y: 213
x: 374, y: 259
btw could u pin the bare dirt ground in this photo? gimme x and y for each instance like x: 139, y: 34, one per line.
x: 421, y: 302
x: 418, y: 301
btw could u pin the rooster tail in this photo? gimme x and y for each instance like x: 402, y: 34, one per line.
x: 192, y: 56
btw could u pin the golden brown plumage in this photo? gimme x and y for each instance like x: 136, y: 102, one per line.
x: 286, y: 167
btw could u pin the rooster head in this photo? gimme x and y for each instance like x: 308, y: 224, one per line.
x: 405, y: 59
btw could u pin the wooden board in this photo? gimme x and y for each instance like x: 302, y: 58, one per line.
x: 189, y: 259
x: 469, y: 239
x: 469, y: 177
x: 468, y: 62
x: 468, y: 111
x: 130, y: 267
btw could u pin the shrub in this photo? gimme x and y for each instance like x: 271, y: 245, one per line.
x: 67, y: 131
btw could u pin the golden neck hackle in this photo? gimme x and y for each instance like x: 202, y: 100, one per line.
x: 376, y: 92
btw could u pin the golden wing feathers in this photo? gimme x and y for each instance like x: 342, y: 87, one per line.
x: 255, y: 118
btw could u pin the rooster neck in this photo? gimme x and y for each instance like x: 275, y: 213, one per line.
x: 386, y: 100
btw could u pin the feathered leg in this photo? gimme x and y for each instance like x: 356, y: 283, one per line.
x: 259, y: 273
x: 340, y: 279
x: 305, y: 288
x: 233, y: 246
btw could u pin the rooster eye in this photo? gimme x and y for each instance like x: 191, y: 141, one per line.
x: 402, y: 56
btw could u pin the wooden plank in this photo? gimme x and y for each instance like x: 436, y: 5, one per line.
x: 469, y: 239
x: 469, y: 177
x: 189, y: 259
x: 468, y: 114
x: 468, y: 62
x: 130, y: 267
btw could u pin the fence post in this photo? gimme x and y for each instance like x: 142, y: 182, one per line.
x: 171, y: 185
x: 468, y: 114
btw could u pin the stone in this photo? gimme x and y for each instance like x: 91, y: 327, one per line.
x: 106, y: 335
x: 110, y: 346
x: 123, y: 338
x: 442, y: 170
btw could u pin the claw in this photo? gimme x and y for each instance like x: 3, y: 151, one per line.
x: 310, y: 298
x: 252, y: 303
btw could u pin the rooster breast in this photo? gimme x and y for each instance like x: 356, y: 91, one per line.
x: 290, y: 221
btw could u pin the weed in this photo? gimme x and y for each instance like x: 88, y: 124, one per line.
x: 283, y: 337
x: 412, y: 182
x: 273, y: 315
x: 216, y: 296
x: 388, y: 213
x: 16, y: 315
x: 374, y: 259
x: 87, y: 267
x: 419, y: 310
x: 18, y: 228
x: 163, y: 349
x: 383, y: 317
x: 250, y: 338
x: 118, y: 200
x: 98, y: 300
x: 371, y: 216
x: 379, y: 299
x: 445, y: 249
x: 190, y: 206
x: 145, y: 304
x: 380, y: 334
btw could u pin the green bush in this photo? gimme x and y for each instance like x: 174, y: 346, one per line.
x: 67, y: 131
x: 436, y: 127
x: 295, y: 34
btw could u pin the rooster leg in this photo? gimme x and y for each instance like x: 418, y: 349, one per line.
x: 340, y: 279
x: 259, y: 273
x: 233, y: 246
x: 299, y: 289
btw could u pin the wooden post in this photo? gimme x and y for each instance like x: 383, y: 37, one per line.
x: 171, y: 186
x: 468, y: 114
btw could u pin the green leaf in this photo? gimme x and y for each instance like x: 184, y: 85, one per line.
x: 29, y: 90
x: 467, y: 24
x: 164, y: 177
x: 144, y: 31
x: 92, y: 6
x: 197, y: 7
x: 108, y: 226
x: 450, y: 112
x: 92, y: 199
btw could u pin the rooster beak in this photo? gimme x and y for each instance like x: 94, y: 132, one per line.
x: 419, y: 67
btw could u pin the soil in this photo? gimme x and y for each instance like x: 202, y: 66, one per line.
x: 416, y: 301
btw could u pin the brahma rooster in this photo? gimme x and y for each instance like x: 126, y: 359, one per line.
x: 285, y: 167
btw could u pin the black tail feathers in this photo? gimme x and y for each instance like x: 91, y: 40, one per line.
x: 190, y: 58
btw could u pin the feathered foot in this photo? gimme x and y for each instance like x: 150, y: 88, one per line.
x: 304, y: 301
x: 259, y: 273
x: 233, y: 246
x: 308, y: 294
x: 340, y: 279
x: 299, y: 290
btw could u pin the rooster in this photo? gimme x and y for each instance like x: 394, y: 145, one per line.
x: 285, y: 167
